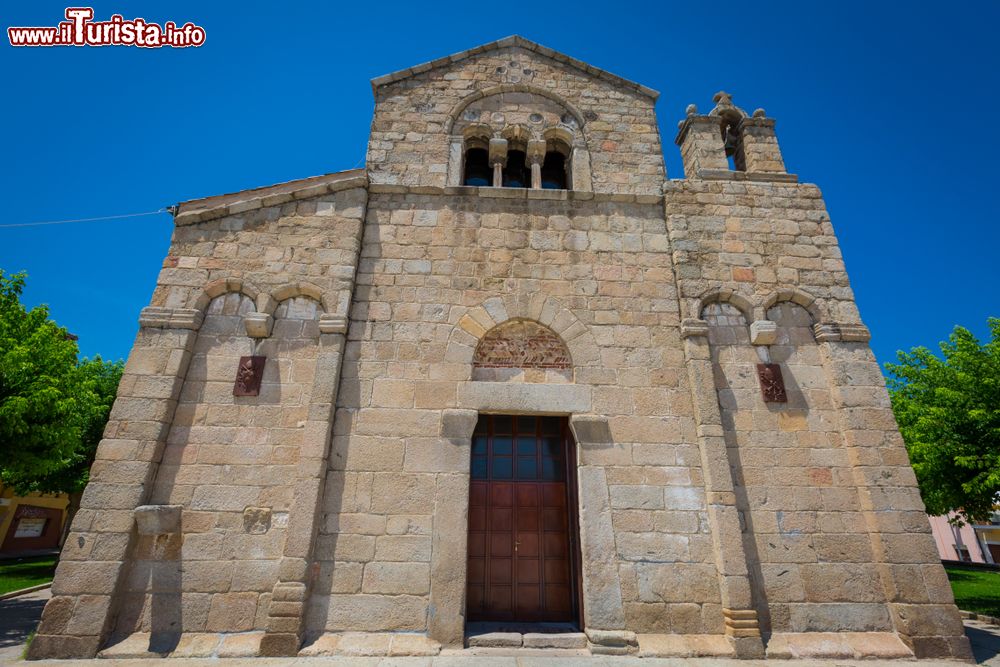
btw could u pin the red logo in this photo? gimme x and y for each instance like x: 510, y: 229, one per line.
x: 81, y: 30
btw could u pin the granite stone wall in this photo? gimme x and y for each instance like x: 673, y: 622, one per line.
x: 436, y: 275
x: 328, y: 514
x: 230, y: 462
x: 805, y: 537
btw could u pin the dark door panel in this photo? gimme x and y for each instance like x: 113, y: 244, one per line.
x: 521, y: 566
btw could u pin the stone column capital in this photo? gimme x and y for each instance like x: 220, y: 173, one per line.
x: 536, y: 151
x: 498, y: 151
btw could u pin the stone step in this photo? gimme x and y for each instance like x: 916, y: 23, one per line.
x: 554, y: 640
x: 495, y: 639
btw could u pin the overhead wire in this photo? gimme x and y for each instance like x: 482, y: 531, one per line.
x: 66, y: 222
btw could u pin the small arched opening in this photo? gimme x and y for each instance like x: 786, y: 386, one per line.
x: 516, y: 173
x: 476, y: 169
x: 554, y: 171
x: 732, y: 139
x: 555, y: 167
x: 516, y: 170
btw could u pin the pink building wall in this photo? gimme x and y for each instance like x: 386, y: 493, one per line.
x: 947, y: 536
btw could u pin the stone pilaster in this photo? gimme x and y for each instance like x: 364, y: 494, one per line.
x: 920, y: 599
x: 290, y: 595
x: 603, y: 607
x: 449, y: 534
x: 455, y: 160
x: 741, y: 625
x: 760, y: 145
x: 580, y: 171
x: 78, y: 619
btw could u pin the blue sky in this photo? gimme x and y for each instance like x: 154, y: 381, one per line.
x: 888, y: 107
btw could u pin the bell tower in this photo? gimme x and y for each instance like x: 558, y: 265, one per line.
x: 729, y: 144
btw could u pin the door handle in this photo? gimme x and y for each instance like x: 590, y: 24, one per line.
x: 516, y: 543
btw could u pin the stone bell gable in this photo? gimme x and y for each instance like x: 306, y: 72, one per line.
x: 514, y: 94
x: 507, y: 373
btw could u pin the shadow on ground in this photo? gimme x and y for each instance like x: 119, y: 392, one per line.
x: 985, y: 644
x: 20, y: 618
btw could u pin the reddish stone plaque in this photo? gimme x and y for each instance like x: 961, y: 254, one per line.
x: 521, y: 344
x: 248, y: 376
x: 772, y: 385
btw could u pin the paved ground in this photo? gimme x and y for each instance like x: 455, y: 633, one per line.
x: 19, y: 615
x: 985, y: 642
x: 489, y: 661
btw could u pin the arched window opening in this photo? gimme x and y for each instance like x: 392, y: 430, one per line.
x: 554, y: 171
x: 477, y: 168
x: 733, y: 142
x: 516, y: 173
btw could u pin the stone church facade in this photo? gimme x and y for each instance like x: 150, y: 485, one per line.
x: 508, y: 373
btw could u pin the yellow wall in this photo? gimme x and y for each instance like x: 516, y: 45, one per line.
x: 991, y: 535
x: 9, y: 503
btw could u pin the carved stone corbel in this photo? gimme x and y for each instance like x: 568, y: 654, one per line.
x: 692, y: 327
x: 833, y: 331
x: 332, y: 324
x: 171, y: 318
x: 258, y: 325
x: 763, y: 332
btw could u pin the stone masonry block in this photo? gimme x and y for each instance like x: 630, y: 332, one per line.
x: 158, y: 519
x: 396, y: 578
x: 232, y: 612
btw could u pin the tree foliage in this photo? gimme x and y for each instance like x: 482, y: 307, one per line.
x: 948, y: 409
x: 53, y: 407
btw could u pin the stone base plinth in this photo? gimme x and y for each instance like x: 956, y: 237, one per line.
x: 837, y: 645
x: 187, y: 645
x: 370, y: 644
x: 685, y: 646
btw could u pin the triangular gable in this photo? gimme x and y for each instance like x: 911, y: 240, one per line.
x: 513, y: 41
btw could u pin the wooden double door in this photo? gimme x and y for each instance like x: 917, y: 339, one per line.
x: 523, y: 548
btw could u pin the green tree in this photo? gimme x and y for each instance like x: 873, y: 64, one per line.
x: 73, y: 472
x: 53, y: 409
x: 948, y: 409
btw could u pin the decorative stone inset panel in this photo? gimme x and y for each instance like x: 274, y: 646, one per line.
x: 511, y: 109
x: 522, y: 350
